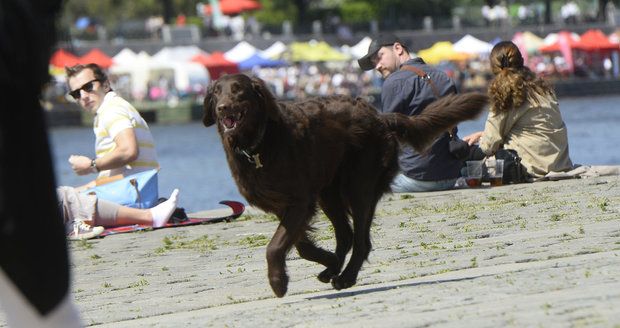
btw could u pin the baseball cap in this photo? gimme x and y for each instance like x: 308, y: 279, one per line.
x: 380, y: 41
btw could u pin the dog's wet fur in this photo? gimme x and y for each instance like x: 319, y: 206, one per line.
x: 336, y: 152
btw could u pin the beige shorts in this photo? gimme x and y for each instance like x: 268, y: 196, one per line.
x: 85, y: 207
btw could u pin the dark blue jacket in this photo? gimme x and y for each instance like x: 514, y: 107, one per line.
x: 405, y: 92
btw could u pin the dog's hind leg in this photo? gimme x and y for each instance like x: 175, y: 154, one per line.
x: 309, y: 251
x: 293, y: 224
x: 333, y: 207
x: 363, y: 205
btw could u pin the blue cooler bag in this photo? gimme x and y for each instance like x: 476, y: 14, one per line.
x: 139, y: 190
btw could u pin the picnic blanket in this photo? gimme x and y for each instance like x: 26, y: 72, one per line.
x: 583, y: 171
x: 236, y: 207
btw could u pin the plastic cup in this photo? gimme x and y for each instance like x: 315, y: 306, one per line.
x: 474, y: 173
x: 495, y: 171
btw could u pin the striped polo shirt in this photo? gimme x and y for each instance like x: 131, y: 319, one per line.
x: 113, y: 116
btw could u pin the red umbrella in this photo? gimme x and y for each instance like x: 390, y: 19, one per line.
x: 232, y: 7
x: 62, y: 58
x: 593, y: 40
x: 216, y: 64
x: 98, y: 57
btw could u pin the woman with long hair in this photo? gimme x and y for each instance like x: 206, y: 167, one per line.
x: 524, y: 116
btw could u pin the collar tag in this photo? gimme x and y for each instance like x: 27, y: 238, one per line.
x: 254, y: 159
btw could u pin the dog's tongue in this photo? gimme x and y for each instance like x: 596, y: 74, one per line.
x: 228, y: 122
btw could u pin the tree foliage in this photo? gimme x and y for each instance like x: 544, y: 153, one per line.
x: 275, y: 12
x: 356, y: 12
x: 111, y: 12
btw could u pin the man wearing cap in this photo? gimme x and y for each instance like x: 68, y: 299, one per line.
x: 410, y: 85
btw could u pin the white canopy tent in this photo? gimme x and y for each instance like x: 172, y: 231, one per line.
x: 176, y: 62
x: 186, y: 75
x: 178, y: 54
x: 136, y: 72
x: 240, y: 52
x: 472, y: 45
x: 274, y: 51
x: 125, y: 57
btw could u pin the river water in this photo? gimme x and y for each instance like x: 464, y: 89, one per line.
x: 192, y: 158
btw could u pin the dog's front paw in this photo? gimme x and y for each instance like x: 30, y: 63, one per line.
x: 279, y: 284
x: 326, y: 275
x: 342, y: 282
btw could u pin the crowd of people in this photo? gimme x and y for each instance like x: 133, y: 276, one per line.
x: 570, y: 13
x: 303, y: 80
x: 300, y: 80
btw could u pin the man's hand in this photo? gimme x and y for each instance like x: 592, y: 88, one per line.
x: 81, y: 164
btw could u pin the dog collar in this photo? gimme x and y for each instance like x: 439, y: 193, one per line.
x: 252, y: 157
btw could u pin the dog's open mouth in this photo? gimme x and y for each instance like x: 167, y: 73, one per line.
x: 230, y: 122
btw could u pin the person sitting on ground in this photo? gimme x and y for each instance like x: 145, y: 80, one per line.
x: 410, y: 85
x: 524, y: 116
x: 124, y: 144
x: 85, y: 216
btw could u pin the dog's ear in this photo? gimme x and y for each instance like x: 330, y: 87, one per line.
x: 208, y: 116
x: 268, y: 100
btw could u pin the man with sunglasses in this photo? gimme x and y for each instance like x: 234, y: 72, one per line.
x: 124, y: 144
x: 409, y: 86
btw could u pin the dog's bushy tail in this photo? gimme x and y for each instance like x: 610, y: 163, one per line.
x: 438, y: 117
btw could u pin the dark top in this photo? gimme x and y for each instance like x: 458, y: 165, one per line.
x: 32, y: 237
x: 405, y: 92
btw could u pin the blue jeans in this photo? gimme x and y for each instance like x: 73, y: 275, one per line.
x: 403, y: 183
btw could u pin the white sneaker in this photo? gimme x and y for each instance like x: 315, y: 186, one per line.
x: 83, y: 231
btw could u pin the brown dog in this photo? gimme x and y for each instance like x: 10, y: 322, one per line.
x: 335, y: 151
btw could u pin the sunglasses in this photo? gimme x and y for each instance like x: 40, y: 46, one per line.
x: 88, y: 87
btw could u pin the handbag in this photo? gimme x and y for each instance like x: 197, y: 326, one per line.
x: 514, y: 171
x: 459, y: 148
x: 139, y: 190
